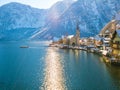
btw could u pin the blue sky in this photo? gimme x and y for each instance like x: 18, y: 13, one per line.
x: 43, y: 4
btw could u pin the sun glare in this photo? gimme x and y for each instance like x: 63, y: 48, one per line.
x: 54, y: 78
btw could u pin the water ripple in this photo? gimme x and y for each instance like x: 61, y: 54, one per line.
x: 54, y: 78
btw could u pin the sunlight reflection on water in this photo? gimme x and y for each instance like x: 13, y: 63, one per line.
x: 54, y: 78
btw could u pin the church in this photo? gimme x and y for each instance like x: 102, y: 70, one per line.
x: 72, y: 40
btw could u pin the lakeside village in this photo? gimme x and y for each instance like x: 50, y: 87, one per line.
x: 106, y: 43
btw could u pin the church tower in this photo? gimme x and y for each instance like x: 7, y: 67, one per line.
x: 77, y: 35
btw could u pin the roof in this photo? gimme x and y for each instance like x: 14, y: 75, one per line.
x: 70, y: 36
x: 118, y: 32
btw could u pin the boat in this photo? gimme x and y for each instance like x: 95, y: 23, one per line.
x: 24, y: 46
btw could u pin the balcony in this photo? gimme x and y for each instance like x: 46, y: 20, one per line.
x: 116, y: 46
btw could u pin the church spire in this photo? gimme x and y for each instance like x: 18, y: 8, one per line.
x: 77, y: 34
x: 77, y: 30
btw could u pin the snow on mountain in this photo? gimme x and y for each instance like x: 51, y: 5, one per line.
x: 52, y: 17
x: 59, y: 20
x: 15, y: 15
x: 91, y: 14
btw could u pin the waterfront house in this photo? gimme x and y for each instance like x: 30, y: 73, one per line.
x: 109, y: 29
x: 115, y: 45
x: 90, y: 41
x: 83, y: 41
x: 107, y: 33
x: 98, y: 42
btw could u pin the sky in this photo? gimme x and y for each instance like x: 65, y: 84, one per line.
x: 42, y: 4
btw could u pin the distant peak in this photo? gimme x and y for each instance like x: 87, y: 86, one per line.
x: 14, y: 4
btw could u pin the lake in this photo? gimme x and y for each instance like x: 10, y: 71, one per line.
x: 40, y: 67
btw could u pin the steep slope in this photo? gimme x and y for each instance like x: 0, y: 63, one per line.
x: 60, y: 19
x: 91, y: 14
x: 15, y: 15
x: 52, y: 17
x: 17, y: 34
x: 19, y: 22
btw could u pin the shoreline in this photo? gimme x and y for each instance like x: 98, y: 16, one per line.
x: 95, y: 50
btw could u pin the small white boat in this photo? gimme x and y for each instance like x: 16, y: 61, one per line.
x: 24, y: 46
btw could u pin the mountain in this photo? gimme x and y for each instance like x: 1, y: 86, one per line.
x: 18, y: 21
x: 15, y: 15
x: 52, y: 17
x: 91, y: 14
x: 17, y: 34
x: 57, y: 10
x: 53, y: 14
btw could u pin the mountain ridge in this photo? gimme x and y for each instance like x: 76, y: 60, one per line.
x: 15, y: 15
x: 60, y: 18
x: 92, y: 15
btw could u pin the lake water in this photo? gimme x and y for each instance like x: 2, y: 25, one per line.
x: 48, y: 68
